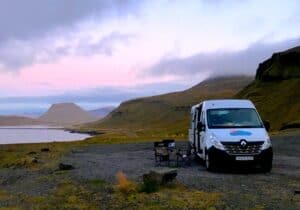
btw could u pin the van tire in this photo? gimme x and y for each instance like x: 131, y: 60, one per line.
x: 209, y: 164
x: 189, y: 149
x: 266, y: 166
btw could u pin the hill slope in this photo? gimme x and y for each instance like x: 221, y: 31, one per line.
x: 168, y: 114
x: 17, y: 120
x: 67, y: 114
x: 276, y: 89
x: 102, y: 112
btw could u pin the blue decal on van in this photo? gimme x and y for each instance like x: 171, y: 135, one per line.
x: 240, y: 133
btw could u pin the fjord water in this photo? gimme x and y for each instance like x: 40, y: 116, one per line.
x: 37, y: 134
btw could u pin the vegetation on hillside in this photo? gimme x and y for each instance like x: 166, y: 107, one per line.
x: 167, y: 115
x: 281, y: 66
x: 277, y: 101
x: 276, y: 90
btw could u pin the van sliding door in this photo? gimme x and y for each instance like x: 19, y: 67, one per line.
x: 194, y: 128
x: 199, y: 111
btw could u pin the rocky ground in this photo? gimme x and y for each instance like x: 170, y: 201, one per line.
x: 242, y: 188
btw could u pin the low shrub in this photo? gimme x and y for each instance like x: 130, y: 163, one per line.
x: 124, y: 185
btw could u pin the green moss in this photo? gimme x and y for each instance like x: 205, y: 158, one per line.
x: 22, y: 155
x: 165, y: 116
x: 177, y: 197
x: 96, y: 183
x: 3, y: 195
x: 65, y: 196
x: 277, y: 102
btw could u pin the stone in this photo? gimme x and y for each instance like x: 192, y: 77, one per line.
x: 160, y: 176
x: 34, y: 160
x: 77, y: 151
x: 63, y: 166
x: 46, y: 149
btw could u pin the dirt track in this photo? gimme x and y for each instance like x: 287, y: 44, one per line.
x: 242, y: 188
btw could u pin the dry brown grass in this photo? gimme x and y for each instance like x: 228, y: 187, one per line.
x: 125, y: 186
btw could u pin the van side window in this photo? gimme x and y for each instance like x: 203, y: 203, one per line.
x: 202, y: 117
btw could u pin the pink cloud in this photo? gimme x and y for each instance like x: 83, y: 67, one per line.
x: 75, y: 73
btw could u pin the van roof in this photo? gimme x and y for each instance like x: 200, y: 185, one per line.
x: 225, y: 103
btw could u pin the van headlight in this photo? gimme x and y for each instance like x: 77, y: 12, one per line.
x: 266, y: 144
x: 215, y: 142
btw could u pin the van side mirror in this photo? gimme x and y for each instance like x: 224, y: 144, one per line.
x: 267, y: 125
x: 200, y: 126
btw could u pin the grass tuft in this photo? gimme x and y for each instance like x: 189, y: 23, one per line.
x: 174, y: 197
x: 124, y: 185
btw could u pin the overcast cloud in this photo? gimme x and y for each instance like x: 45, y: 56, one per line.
x: 52, y: 47
x: 30, y: 29
x: 221, y: 63
x: 16, y: 54
x: 24, y: 20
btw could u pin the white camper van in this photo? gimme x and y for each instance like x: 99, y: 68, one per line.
x: 226, y: 131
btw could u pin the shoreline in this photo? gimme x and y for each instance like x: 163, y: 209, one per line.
x: 91, y: 133
x: 16, y: 135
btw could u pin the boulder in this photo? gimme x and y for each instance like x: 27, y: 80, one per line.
x: 34, y: 160
x: 46, y: 149
x: 160, y: 176
x: 63, y: 166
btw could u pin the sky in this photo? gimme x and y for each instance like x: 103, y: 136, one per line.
x: 104, y: 52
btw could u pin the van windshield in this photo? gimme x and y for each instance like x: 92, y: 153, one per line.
x: 233, y: 118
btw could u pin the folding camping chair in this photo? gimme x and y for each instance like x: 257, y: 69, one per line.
x: 161, y: 153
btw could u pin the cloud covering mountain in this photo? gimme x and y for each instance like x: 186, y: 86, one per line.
x: 57, y: 47
x: 221, y: 62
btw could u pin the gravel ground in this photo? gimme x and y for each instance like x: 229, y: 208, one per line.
x: 105, y: 161
x: 24, y: 181
x: 249, y: 187
x: 242, y: 189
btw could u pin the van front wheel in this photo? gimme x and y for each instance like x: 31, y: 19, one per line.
x: 209, y: 164
x: 267, y: 166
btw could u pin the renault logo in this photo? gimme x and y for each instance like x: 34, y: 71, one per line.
x: 243, y: 143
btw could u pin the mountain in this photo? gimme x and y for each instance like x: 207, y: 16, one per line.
x: 102, y: 112
x: 67, y: 114
x: 168, y: 114
x: 18, y: 120
x: 276, y: 89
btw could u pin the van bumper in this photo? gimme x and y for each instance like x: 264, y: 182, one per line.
x: 220, y: 157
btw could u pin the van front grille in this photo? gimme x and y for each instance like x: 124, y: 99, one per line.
x: 235, y: 148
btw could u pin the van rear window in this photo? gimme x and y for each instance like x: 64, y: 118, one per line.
x: 233, y: 118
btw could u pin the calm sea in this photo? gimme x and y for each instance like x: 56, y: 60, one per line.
x: 36, y: 134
